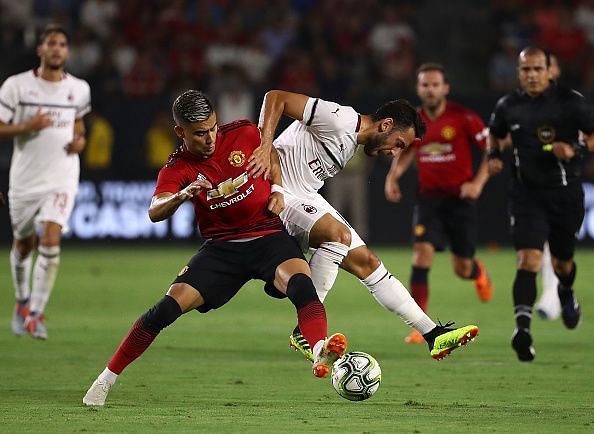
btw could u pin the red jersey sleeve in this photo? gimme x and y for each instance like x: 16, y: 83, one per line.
x: 172, y: 178
x: 476, y: 129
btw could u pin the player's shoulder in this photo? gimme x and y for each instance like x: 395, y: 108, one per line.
x: 566, y: 92
x: 79, y: 82
x: 243, y: 129
x: 510, y: 98
x: 175, y: 159
x: 238, y: 126
x: 461, y: 111
x: 20, y: 78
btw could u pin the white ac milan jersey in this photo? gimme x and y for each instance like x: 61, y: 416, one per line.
x: 40, y: 163
x: 317, y: 147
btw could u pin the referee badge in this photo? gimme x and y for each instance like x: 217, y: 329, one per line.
x: 420, y: 230
x: 546, y: 134
x: 236, y: 158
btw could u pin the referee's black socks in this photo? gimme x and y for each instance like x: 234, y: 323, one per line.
x: 565, y: 287
x: 524, y: 293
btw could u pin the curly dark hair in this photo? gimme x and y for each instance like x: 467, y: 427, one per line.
x: 404, y: 114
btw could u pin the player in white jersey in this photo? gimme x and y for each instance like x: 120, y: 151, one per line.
x: 318, y: 144
x: 42, y: 109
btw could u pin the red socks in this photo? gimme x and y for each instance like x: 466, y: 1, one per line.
x: 312, y: 322
x: 132, y: 346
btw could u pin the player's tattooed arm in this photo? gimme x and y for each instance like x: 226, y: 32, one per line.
x: 164, y: 205
x: 276, y: 103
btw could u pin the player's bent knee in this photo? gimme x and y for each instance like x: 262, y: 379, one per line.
x: 301, y: 290
x: 361, y: 262
x: 162, y: 314
x: 529, y: 260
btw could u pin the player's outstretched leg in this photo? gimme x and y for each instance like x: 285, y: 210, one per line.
x: 482, y: 282
x: 327, y: 352
x: 442, y: 340
x: 139, y: 338
x: 300, y: 344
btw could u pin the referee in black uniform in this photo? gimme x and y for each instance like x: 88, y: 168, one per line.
x: 542, y: 121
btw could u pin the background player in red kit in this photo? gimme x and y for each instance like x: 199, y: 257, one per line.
x: 238, y: 215
x: 447, y: 186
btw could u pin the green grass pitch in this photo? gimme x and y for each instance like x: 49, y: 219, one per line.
x: 232, y: 371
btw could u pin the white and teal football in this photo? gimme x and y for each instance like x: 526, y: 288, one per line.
x: 356, y: 376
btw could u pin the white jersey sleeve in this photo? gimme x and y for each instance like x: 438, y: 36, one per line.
x: 317, y: 147
x: 8, y: 100
x: 84, y: 103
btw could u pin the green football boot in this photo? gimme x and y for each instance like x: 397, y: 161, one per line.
x: 447, y: 339
x: 299, y: 344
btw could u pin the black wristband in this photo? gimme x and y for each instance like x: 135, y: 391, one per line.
x: 493, y: 154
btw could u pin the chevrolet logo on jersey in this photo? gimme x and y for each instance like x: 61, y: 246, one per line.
x: 227, y: 188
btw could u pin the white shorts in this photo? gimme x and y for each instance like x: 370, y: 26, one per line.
x: 27, y: 213
x: 300, y: 215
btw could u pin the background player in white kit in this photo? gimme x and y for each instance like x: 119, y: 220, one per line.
x: 43, y: 110
x: 318, y: 144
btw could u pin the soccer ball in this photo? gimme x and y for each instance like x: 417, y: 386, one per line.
x: 356, y: 376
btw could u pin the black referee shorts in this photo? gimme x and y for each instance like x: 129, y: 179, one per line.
x: 437, y: 220
x: 221, y: 268
x: 538, y: 215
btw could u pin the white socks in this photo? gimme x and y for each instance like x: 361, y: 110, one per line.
x: 107, y: 376
x: 391, y: 294
x: 44, y: 276
x: 549, y: 279
x: 324, y: 265
x: 20, y: 268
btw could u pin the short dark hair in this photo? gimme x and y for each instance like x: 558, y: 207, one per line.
x: 433, y: 66
x: 535, y: 51
x: 53, y: 28
x: 191, y: 106
x: 404, y: 114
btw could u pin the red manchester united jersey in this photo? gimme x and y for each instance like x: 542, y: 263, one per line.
x: 444, y: 155
x: 235, y: 207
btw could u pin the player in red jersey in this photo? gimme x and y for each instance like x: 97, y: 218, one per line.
x: 447, y: 187
x: 238, y: 215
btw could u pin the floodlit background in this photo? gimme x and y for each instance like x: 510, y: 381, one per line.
x: 139, y: 54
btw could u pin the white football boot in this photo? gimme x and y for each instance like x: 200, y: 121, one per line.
x: 97, y: 393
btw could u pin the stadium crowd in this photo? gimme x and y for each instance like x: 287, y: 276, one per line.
x: 137, y: 54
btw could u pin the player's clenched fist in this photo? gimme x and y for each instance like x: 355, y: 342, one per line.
x: 276, y: 203
x: 193, y: 189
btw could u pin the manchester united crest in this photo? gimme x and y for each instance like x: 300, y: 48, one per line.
x: 236, y: 158
x: 448, y: 132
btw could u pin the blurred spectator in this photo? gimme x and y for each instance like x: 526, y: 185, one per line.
x: 278, y: 33
x: 99, y: 16
x: 233, y: 96
x: 146, y: 77
x: 564, y: 39
x: 584, y: 18
x: 124, y: 55
x: 388, y: 35
x: 160, y: 141
x: 85, y: 53
x: 297, y: 73
x: 503, y: 67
